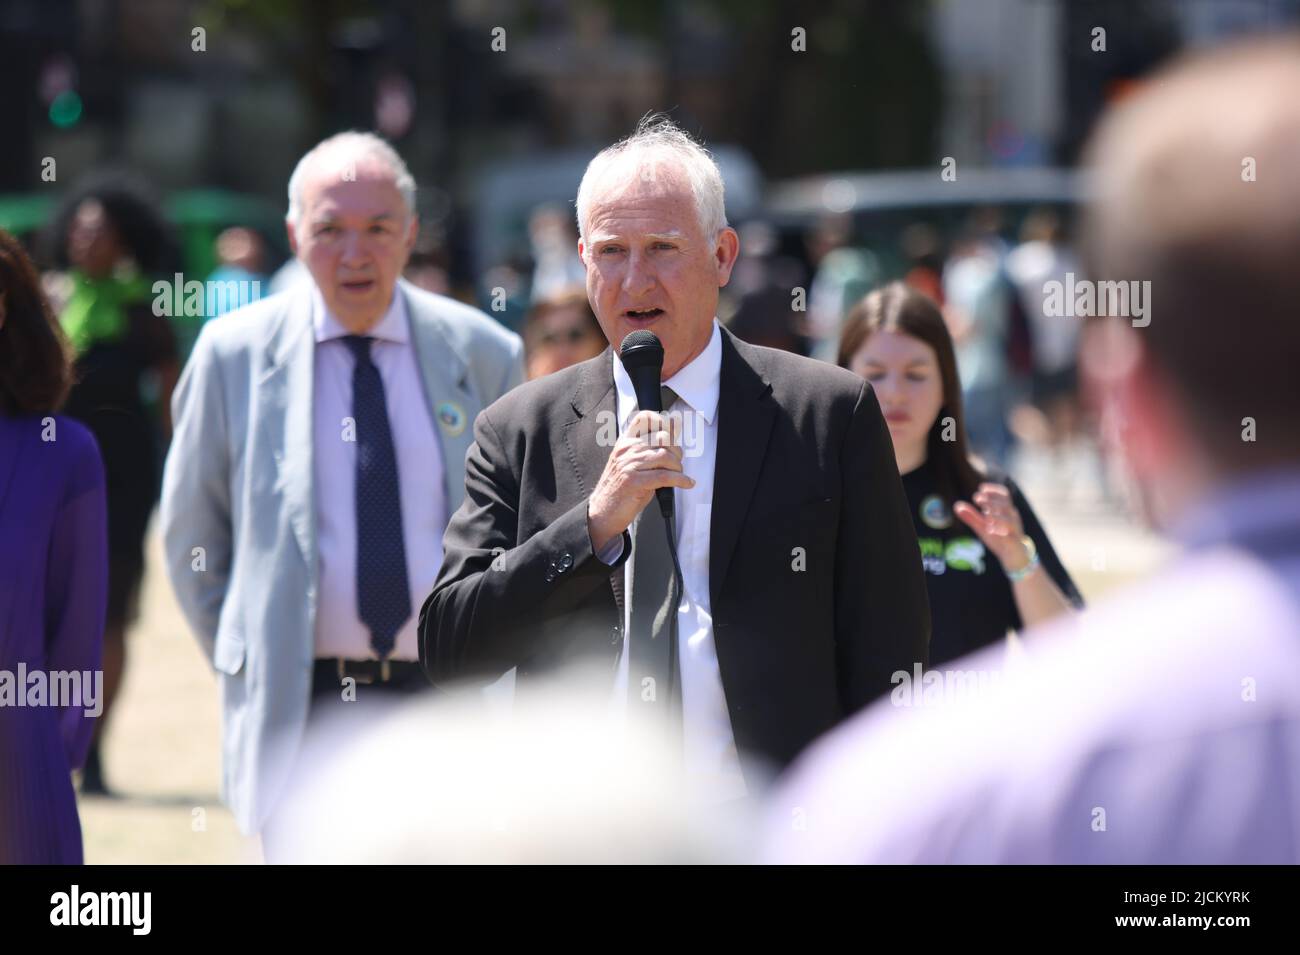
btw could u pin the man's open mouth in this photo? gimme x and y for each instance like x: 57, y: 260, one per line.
x: 642, y: 314
x: 358, y: 285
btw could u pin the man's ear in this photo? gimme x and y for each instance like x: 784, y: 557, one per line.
x: 293, y: 238
x: 1153, y: 427
x: 582, y: 253
x: 1109, y: 356
x: 725, y: 253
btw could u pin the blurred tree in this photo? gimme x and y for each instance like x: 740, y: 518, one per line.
x: 1138, y: 36
x: 301, y: 34
x: 864, y: 93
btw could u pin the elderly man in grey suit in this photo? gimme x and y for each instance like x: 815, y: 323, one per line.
x: 319, y: 450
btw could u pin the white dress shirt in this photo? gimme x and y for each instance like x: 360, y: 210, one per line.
x: 711, y: 763
x: 339, y: 630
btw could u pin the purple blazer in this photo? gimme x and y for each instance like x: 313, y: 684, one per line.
x: 53, y: 587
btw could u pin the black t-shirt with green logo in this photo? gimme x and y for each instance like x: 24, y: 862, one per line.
x: 971, y: 604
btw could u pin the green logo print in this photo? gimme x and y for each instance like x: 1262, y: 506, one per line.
x: 965, y: 553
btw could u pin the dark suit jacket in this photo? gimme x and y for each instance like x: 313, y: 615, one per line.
x: 803, y: 461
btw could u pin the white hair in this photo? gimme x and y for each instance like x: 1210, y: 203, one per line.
x: 351, y: 145
x: 657, y: 140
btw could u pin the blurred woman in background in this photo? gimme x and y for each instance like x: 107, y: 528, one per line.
x: 989, y: 565
x: 53, y: 572
x: 113, y: 240
x: 561, y: 331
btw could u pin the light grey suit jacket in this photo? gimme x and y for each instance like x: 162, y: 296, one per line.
x: 238, y: 510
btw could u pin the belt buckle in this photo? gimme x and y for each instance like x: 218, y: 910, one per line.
x: 360, y: 678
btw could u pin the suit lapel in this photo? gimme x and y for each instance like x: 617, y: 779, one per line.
x: 287, y: 387
x: 746, y: 414
x: 745, y: 417
x: 443, y: 372
x: 588, y: 436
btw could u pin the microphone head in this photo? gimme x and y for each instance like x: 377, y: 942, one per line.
x: 641, y: 348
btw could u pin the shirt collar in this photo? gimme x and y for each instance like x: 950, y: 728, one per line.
x: 697, y: 383
x: 392, y: 327
x: 1245, y: 508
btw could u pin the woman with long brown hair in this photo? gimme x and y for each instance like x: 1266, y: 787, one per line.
x: 53, y: 573
x: 989, y: 565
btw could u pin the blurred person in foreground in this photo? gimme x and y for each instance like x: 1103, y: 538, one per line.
x: 989, y: 566
x: 320, y: 440
x: 800, y: 589
x: 1161, y: 726
x: 53, y: 576
x: 561, y: 331
x: 111, y: 236
x: 552, y: 781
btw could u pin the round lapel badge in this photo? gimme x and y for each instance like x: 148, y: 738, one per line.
x: 451, y: 417
x: 935, y: 513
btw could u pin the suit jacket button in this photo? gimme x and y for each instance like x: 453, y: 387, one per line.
x: 550, y: 573
x: 566, y: 561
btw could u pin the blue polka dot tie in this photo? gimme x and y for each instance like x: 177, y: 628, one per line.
x: 383, y: 595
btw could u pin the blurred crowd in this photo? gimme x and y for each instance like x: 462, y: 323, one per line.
x: 792, y: 289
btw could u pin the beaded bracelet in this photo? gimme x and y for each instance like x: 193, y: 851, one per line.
x: 1015, y: 576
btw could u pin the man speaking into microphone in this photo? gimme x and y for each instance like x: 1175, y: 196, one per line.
x: 770, y: 588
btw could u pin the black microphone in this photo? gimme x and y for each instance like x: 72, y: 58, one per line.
x: 642, y: 355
